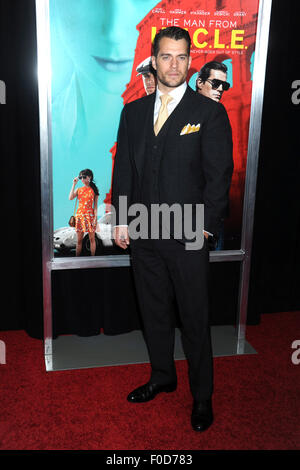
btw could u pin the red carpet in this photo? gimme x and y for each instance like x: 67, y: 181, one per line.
x: 256, y: 400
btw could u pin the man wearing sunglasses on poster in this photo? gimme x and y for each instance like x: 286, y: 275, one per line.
x: 211, y: 81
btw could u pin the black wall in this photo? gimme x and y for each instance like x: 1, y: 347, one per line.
x: 275, y: 277
x: 275, y: 263
x: 21, y: 246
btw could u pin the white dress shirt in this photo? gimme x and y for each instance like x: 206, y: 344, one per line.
x: 176, y: 94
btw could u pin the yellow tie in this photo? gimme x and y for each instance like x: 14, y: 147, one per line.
x: 163, y: 113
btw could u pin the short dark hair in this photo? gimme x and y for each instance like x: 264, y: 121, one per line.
x: 172, y: 32
x: 213, y: 65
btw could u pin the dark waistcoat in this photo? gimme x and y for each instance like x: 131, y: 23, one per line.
x: 154, y: 149
x: 154, y: 153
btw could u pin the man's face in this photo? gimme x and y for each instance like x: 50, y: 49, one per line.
x: 171, y: 64
x: 149, y: 82
x: 206, y: 88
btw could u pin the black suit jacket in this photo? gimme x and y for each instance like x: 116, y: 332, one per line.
x: 195, y: 168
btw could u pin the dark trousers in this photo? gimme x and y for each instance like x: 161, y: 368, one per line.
x: 165, y: 272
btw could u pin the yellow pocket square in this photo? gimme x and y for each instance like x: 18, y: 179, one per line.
x: 189, y: 128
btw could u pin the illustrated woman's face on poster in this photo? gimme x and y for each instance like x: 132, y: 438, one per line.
x: 100, y: 37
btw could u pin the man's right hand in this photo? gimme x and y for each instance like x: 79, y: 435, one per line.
x: 121, y: 236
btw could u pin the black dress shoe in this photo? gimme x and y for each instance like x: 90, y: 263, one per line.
x: 149, y: 391
x: 202, y: 415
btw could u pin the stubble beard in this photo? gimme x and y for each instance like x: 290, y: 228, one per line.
x: 174, y: 84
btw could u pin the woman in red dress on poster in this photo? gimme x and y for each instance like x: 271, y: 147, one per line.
x: 86, y: 215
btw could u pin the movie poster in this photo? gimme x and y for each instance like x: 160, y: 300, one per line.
x: 99, y: 55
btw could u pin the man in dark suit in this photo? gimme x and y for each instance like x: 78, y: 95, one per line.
x: 184, y: 159
x: 212, y: 82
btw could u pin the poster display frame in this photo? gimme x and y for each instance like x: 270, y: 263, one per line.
x: 242, y: 255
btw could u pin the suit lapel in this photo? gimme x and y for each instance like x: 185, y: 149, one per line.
x: 181, y: 113
x: 145, y: 130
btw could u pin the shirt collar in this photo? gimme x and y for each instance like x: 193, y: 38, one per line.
x: 177, y: 93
